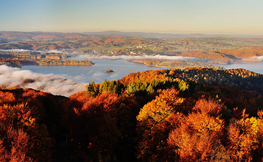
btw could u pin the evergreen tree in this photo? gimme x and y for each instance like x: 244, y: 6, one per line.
x: 154, y: 83
x: 113, y: 87
x: 104, y: 86
x: 131, y: 88
x: 138, y: 85
x: 144, y: 86
x: 92, y: 89
x: 183, y: 86
x: 150, y: 89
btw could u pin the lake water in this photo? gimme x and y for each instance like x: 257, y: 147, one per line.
x: 252, y: 66
x: 85, y: 74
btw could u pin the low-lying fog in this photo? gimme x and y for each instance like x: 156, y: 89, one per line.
x: 15, y: 77
x: 52, y: 78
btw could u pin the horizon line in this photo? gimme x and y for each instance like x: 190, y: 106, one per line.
x: 143, y: 32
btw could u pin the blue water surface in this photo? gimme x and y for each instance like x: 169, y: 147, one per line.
x: 85, y: 74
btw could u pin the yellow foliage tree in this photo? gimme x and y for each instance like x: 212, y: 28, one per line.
x: 245, y: 138
x: 153, y: 124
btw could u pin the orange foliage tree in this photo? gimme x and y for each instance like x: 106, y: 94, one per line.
x: 199, y: 134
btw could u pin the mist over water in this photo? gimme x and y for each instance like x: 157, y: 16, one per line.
x: 146, y: 57
x: 258, y: 58
x: 41, y: 52
x: 15, y: 50
x: 50, y: 78
x: 15, y: 77
x: 97, y: 72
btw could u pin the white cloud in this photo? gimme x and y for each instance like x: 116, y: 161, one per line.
x: 41, y: 52
x: 15, y: 50
x: 125, y: 57
x: 257, y: 57
x: 13, y: 77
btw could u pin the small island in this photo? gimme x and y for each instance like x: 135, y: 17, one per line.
x: 110, y: 71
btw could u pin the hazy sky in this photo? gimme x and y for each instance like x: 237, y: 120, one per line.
x: 173, y: 16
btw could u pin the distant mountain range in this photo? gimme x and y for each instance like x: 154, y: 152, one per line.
x: 169, y: 35
x: 6, y: 36
x: 147, y: 35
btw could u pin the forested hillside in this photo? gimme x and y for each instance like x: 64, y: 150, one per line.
x: 196, y: 114
x: 205, y: 47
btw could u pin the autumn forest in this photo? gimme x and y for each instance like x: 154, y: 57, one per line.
x: 131, y: 81
x: 164, y: 115
x: 191, y: 111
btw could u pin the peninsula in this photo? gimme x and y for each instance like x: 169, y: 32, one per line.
x: 178, y: 64
x: 52, y: 62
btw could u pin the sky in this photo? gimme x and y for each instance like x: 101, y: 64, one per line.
x: 163, y: 16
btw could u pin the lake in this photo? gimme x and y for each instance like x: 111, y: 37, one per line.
x: 97, y: 72
x: 85, y: 74
x: 248, y: 65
